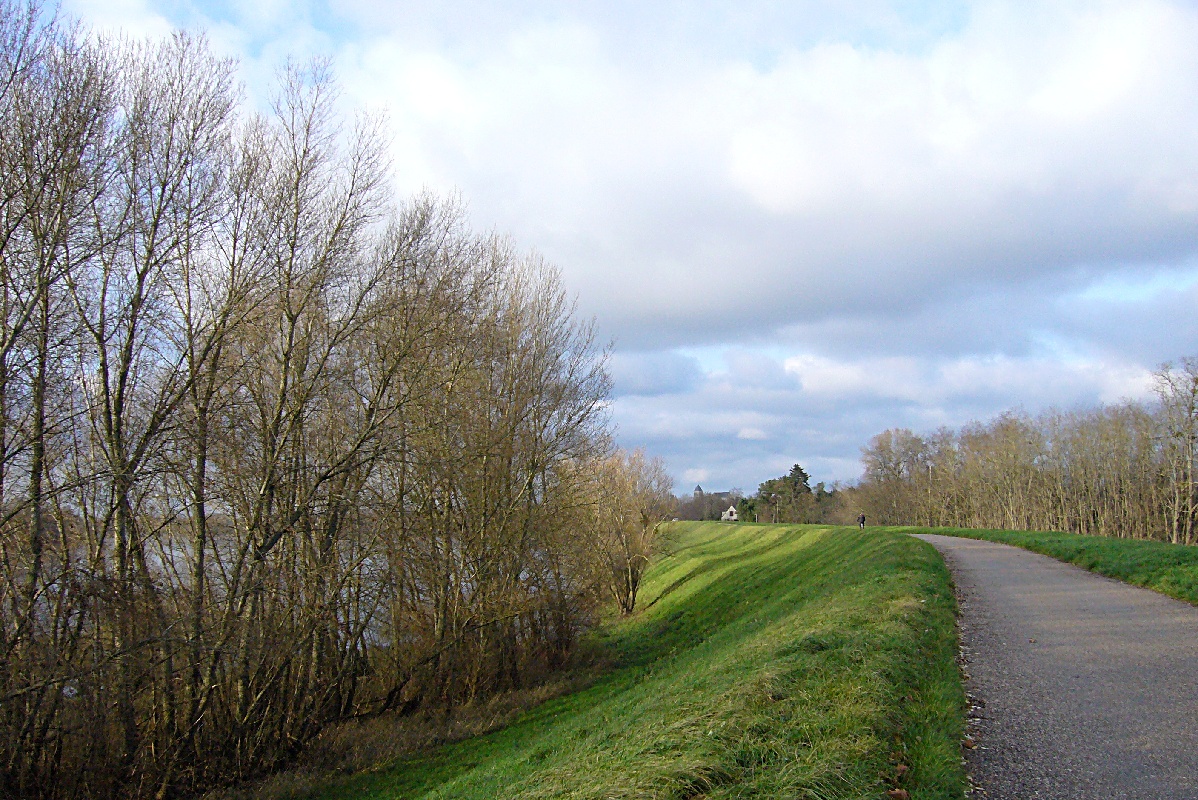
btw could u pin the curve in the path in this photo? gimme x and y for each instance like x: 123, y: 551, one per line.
x: 1088, y: 687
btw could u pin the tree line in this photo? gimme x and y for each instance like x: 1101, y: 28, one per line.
x: 789, y: 498
x: 792, y: 498
x: 1124, y: 470
x: 276, y: 449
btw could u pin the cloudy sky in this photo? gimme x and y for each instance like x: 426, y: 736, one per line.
x: 801, y: 223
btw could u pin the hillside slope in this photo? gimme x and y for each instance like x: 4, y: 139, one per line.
x: 764, y: 661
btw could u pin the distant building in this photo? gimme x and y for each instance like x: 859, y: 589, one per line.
x: 730, y: 515
x: 706, y: 505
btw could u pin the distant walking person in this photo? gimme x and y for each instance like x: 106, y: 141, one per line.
x: 861, y: 521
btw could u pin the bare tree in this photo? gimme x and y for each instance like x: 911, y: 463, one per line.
x: 1177, y: 388
x: 275, y: 449
x: 1123, y: 470
x: 632, y: 497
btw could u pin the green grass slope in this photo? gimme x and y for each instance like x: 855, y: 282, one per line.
x: 1170, y: 569
x: 764, y: 661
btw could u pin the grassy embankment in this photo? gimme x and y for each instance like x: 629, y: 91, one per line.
x: 1170, y: 569
x: 764, y: 661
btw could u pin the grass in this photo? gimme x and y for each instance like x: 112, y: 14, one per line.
x: 764, y: 661
x: 1170, y: 569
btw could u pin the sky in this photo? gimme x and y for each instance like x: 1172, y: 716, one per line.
x: 798, y: 223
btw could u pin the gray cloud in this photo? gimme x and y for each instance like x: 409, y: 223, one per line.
x: 745, y: 422
x: 651, y: 374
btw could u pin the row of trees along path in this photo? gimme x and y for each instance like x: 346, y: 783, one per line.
x: 275, y: 449
x: 1125, y: 470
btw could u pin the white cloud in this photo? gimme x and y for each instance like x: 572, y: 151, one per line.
x: 1041, y: 380
x: 134, y: 18
x: 889, y: 377
x: 801, y: 224
x: 688, y: 190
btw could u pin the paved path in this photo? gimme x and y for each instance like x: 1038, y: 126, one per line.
x: 1086, y: 687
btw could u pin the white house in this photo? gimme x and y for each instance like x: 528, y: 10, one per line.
x: 729, y: 515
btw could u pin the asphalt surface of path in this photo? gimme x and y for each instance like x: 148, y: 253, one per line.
x: 1083, y: 687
